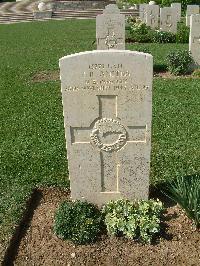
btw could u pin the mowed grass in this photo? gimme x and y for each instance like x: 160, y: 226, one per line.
x: 159, y: 51
x: 32, y: 149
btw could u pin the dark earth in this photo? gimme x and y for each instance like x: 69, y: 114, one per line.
x: 179, y: 243
x: 43, y: 76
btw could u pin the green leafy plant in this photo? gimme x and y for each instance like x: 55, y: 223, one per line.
x: 186, y: 192
x: 136, y: 220
x: 140, y: 32
x: 140, y: 27
x: 182, y: 35
x: 163, y: 37
x: 179, y: 62
x: 80, y: 222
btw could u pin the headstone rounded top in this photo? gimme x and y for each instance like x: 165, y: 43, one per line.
x: 152, y: 3
x: 112, y: 8
x: 41, y: 6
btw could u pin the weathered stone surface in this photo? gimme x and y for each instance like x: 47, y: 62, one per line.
x: 142, y: 12
x: 191, y: 10
x: 177, y: 6
x: 42, y: 14
x: 152, y: 16
x: 79, y: 5
x: 110, y: 29
x: 168, y: 19
x: 107, y: 101
x: 194, y: 42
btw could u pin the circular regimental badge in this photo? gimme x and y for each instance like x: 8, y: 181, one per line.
x: 104, y: 127
x: 111, y: 41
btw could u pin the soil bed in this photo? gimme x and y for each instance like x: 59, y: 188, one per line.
x: 168, y: 75
x: 179, y: 245
x: 46, y: 76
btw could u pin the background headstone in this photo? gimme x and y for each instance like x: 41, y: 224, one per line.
x: 107, y: 101
x: 142, y: 12
x: 152, y: 16
x: 191, y: 10
x: 194, y: 42
x: 177, y: 6
x: 42, y: 6
x: 110, y: 29
x: 168, y: 19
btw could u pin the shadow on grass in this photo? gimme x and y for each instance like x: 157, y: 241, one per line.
x: 20, y: 231
x: 159, y: 68
x: 158, y: 192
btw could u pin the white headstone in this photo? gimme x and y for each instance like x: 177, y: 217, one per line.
x: 168, y: 19
x: 177, y: 6
x: 41, y: 6
x: 107, y: 101
x: 191, y: 10
x: 194, y: 42
x: 142, y: 12
x: 152, y: 16
x: 110, y: 29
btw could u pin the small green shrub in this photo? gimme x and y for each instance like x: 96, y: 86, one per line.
x: 136, y: 220
x: 140, y: 27
x: 141, y: 38
x: 131, y: 20
x: 186, y: 192
x: 80, y: 222
x: 140, y: 32
x: 179, y: 62
x: 183, y: 33
x: 163, y: 37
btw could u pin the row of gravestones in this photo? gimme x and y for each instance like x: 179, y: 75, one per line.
x: 107, y: 107
x: 167, y: 16
x: 110, y: 30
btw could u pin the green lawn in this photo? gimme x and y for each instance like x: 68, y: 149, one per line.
x: 159, y: 51
x: 32, y: 150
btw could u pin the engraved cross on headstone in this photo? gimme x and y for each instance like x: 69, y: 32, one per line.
x: 108, y: 135
x: 111, y: 40
x: 152, y: 17
x: 169, y: 21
